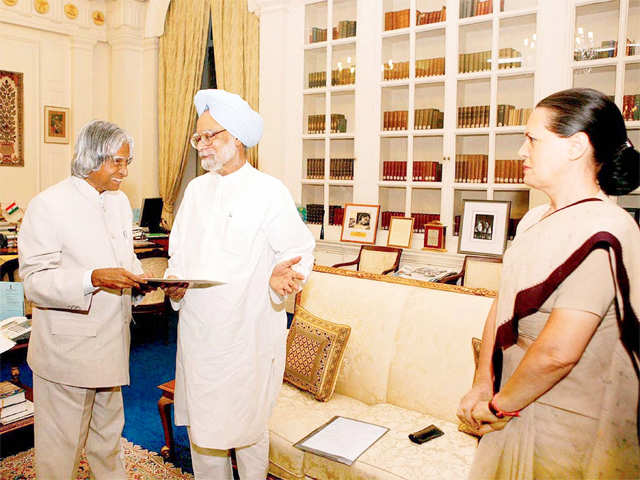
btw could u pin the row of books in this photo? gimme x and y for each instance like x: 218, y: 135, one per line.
x: 315, y: 213
x: 481, y: 61
x: 632, y: 47
x: 400, y: 18
x: 509, y: 171
x: 423, y: 171
x: 316, y: 123
x: 435, y: 16
x: 471, y: 168
x: 631, y: 107
x: 424, y: 68
x: 345, y: 29
x: 336, y: 215
x: 418, y: 225
x: 10, y: 232
x: 395, y: 120
x: 339, y: 168
x: 474, y: 116
x: 608, y: 48
x: 429, y: 67
x: 427, y: 118
x: 471, y: 8
x: 14, y: 403
x: 509, y: 115
x: 344, y: 76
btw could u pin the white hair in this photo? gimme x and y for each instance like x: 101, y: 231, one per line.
x: 97, y: 141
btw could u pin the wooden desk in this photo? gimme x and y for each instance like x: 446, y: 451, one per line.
x: 164, y: 408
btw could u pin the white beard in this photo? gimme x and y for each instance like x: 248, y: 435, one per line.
x: 214, y: 161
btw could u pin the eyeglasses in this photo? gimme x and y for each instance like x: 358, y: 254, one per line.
x: 206, y: 137
x: 119, y: 162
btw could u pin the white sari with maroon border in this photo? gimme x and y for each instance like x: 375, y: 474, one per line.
x: 552, y: 439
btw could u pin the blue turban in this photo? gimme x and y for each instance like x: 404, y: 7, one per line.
x: 233, y: 113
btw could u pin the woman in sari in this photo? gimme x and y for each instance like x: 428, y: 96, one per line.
x: 564, y: 327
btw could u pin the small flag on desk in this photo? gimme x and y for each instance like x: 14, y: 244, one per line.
x: 12, y: 208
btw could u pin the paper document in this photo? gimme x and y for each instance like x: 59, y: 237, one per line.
x: 342, y: 439
x: 5, y: 344
x: 167, y: 282
x: 11, y: 299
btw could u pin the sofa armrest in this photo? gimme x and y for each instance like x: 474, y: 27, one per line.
x: 451, y: 279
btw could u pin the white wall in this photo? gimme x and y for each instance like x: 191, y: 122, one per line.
x: 107, y: 72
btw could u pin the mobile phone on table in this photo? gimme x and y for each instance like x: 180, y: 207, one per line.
x: 426, y: 434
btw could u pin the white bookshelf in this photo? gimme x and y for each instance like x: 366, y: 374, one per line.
x: 548, y: 26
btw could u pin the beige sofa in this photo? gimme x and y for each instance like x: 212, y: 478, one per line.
x: 408, y: 361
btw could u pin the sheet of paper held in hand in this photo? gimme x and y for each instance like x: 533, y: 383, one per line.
x: 342, y: 439
x: 168, y: 282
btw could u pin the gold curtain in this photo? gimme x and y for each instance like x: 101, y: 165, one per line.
x: 236, y: 45
x: 181, y: 60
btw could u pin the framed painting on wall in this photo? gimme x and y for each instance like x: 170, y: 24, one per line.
x: 56, y: 124
x: 11, y: 119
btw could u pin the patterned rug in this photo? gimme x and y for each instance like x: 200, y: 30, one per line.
x: 141, y: 465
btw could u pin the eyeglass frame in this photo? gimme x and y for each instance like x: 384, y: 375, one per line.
x: 118, y: 161
x: 197, y: 136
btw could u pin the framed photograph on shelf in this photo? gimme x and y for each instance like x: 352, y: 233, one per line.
x: 56, y: 124
x: 483, y: 228
x: 400, y: 232
x: 360, y: 223
x: 435, y: 234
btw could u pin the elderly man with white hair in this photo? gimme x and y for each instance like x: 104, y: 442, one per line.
x: 78, y: 265
x: 240, y: 226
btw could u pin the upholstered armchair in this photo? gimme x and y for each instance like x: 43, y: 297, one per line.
x: 374, y: 259
x: 478, y: 272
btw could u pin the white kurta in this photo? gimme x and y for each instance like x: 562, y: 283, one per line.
x: 232, y: 337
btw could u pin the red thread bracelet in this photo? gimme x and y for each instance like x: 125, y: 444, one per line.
x: 499, y: 413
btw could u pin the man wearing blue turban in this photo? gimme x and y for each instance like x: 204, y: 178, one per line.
x: 239, y: 226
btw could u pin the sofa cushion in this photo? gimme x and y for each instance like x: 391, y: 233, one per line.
x: 433, y: 365
x: 315, y: 348
x: 372, y: 309
x: 394, y: 456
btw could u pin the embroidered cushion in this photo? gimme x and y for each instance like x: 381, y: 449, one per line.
x: 315, y: 348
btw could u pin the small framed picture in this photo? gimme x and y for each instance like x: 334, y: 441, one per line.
x: 360, y: 223
x: 56, y: 124
x: 435, y: 234
x: 483, y: 229
x: 400, y: 232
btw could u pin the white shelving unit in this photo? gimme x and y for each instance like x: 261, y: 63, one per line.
x: 542, y: 30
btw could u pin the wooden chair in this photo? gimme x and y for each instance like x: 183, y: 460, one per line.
x: 9, y: 273
x: 478, y: 272
x: 155, y: 304
x: 374, y: 259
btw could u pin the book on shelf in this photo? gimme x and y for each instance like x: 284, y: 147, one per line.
x: 428, y: 118
x: 509, y: 115
x: 385, y: 218
x: 10, y: 394
x: 345, y: 29
x: 397, y: 19
x: 343, y: 76
x: 472, y: 8
x: 316, y: 123
x: 434, y: 16
x: 341, y: 169
x: 336, y: 214
x: 631, y: 107
x: 428, y: 67
x: 505, y: 54
x: 427, y: 171
x: 632, y: 48
x: 26, y: 411
x: 509, y: 171
x: 471, y: 168
x: 396, y: 70
x: 394, y: 171
x: 315, y: 213
x: 318, y: 35
x: 315, y: 168
x: 475, y: 116
x: 395, y: 120
x: 317, y: 79
x: 423, y: 218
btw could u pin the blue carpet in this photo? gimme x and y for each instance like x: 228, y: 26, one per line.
x: 152, y: 363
